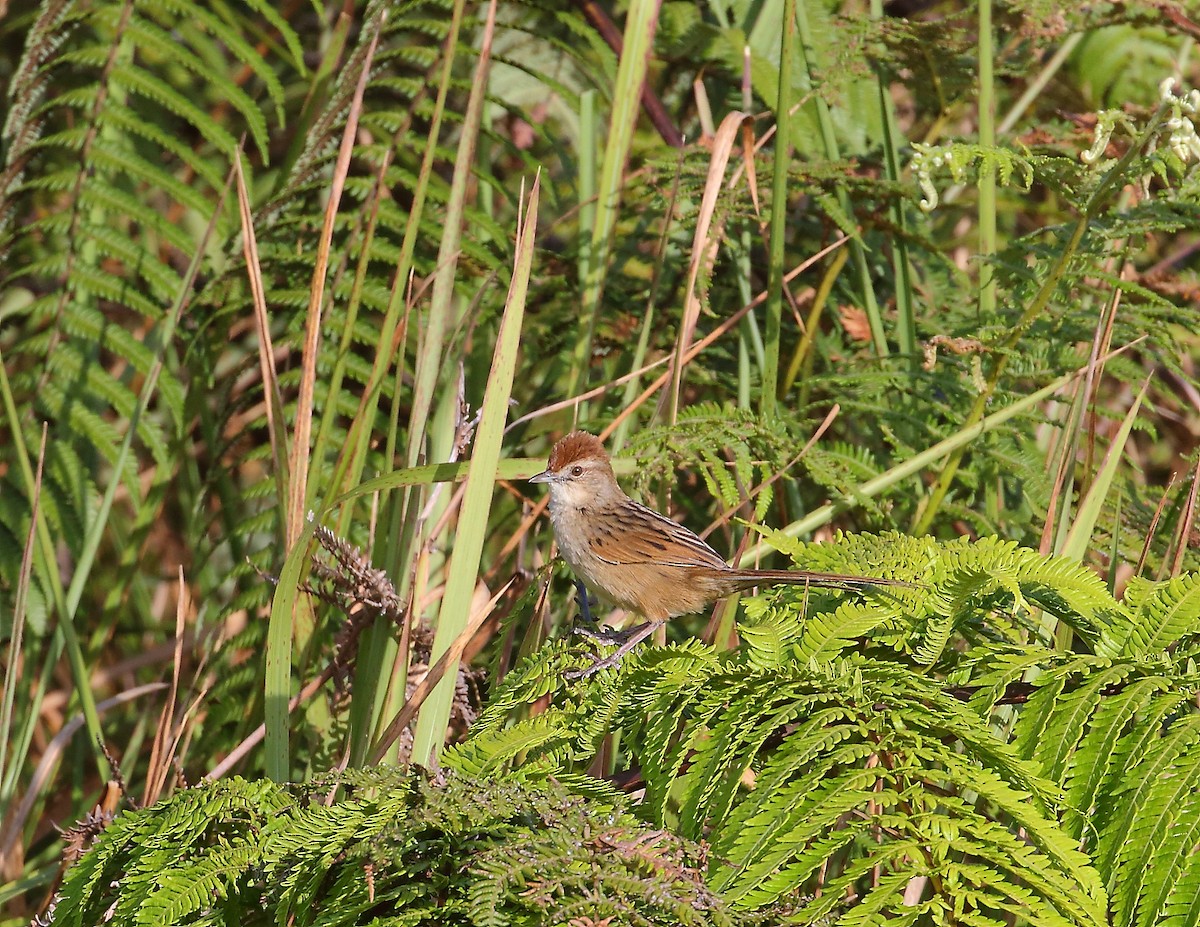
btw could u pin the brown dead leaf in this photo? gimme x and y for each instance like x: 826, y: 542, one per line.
x: 854, y: 321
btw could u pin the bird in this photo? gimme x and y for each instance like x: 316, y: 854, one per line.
x: 637, y: 559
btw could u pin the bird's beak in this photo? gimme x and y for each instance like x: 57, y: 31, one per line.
x: 544, y: 477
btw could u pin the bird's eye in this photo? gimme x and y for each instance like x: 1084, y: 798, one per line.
x: 577, y: 471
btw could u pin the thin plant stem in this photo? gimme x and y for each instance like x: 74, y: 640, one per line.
x: 858, y: 253
x: 987, y: 180
x: 639, y: 353
x: 783, y: 153
x: 906, y: 326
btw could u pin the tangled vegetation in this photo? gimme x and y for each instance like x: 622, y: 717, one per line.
x: 295, y: 296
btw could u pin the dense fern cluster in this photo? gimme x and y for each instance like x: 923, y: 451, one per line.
x: 394, y: 848
x: 910, y: 753
x: 915, y: 751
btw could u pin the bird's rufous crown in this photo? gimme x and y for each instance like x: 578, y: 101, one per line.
x: 578, y: 445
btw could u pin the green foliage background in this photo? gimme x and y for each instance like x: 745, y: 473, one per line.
x: 1009, y: 741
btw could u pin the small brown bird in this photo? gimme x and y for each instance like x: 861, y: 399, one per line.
x: 638, y: 559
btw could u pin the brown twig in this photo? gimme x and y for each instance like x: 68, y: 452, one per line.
x: 653, y: 106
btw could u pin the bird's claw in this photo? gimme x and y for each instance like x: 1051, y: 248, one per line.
x: 601, y: 635
x: 627, y: 639
x: 606, y: 663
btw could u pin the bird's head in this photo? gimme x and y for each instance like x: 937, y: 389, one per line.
x: 578, y: 471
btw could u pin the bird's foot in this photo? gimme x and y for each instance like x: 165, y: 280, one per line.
x: 628, y: 639
x: 608, y: 662
x: 599, y: 634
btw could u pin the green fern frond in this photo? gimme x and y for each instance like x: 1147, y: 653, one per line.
x: 819, y: 747
x: 1162, y: 614
x: 977, y: 590
x: 116, y: 158
x: 774, y: 634
x: 768, y: 836
x: 536, y: 676
x: 890, y: 554
x: 1182, y: 906
x: 703, y: 430
x: 841, y: 466
x: 128, y: 866
x: 1136, y: 793
x: 547, y: 736
x: 1093, y: 768
x: 179, y: 894
x: 957, y: 157
x: 1064, y: 716
x: 1178, y: 834
x: 1159, y: 832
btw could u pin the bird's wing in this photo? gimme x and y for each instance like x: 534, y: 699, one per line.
x: 644, y: 536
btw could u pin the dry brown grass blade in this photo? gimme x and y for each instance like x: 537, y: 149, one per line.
x: 1101, y: 342
x: 18, y: 620
x: 1186, y: 523
x: 166, y: 738
x: 272, y: 399
x: 522, y: 529
x: 302, y: 433
x: 449, y: 657
x: 748, y: 146
x: 769, y: 133
x: 1158, y: 510
x: 1069, y: 444
x: 584, y: 397
x: 704, y: 248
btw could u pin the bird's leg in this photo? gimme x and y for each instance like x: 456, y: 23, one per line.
x: 581, y: 596
x: 632, y: 637
x: 590, y: 628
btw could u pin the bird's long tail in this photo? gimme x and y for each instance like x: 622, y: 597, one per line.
x: 745, y: 579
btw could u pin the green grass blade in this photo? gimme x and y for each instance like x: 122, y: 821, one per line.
x: 640, y: 25
x: 1080, y: 536
x: 477, y: 496
x: 442, y: 315
x: 858, y: 251
x: 298, y: 466
x: 394, y: 541
x: 587, y: 176
x: 351, y: 461
x: 987, y: 182
x: 432, y: 416
x: 278, y: 682
x: 906, y: 325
